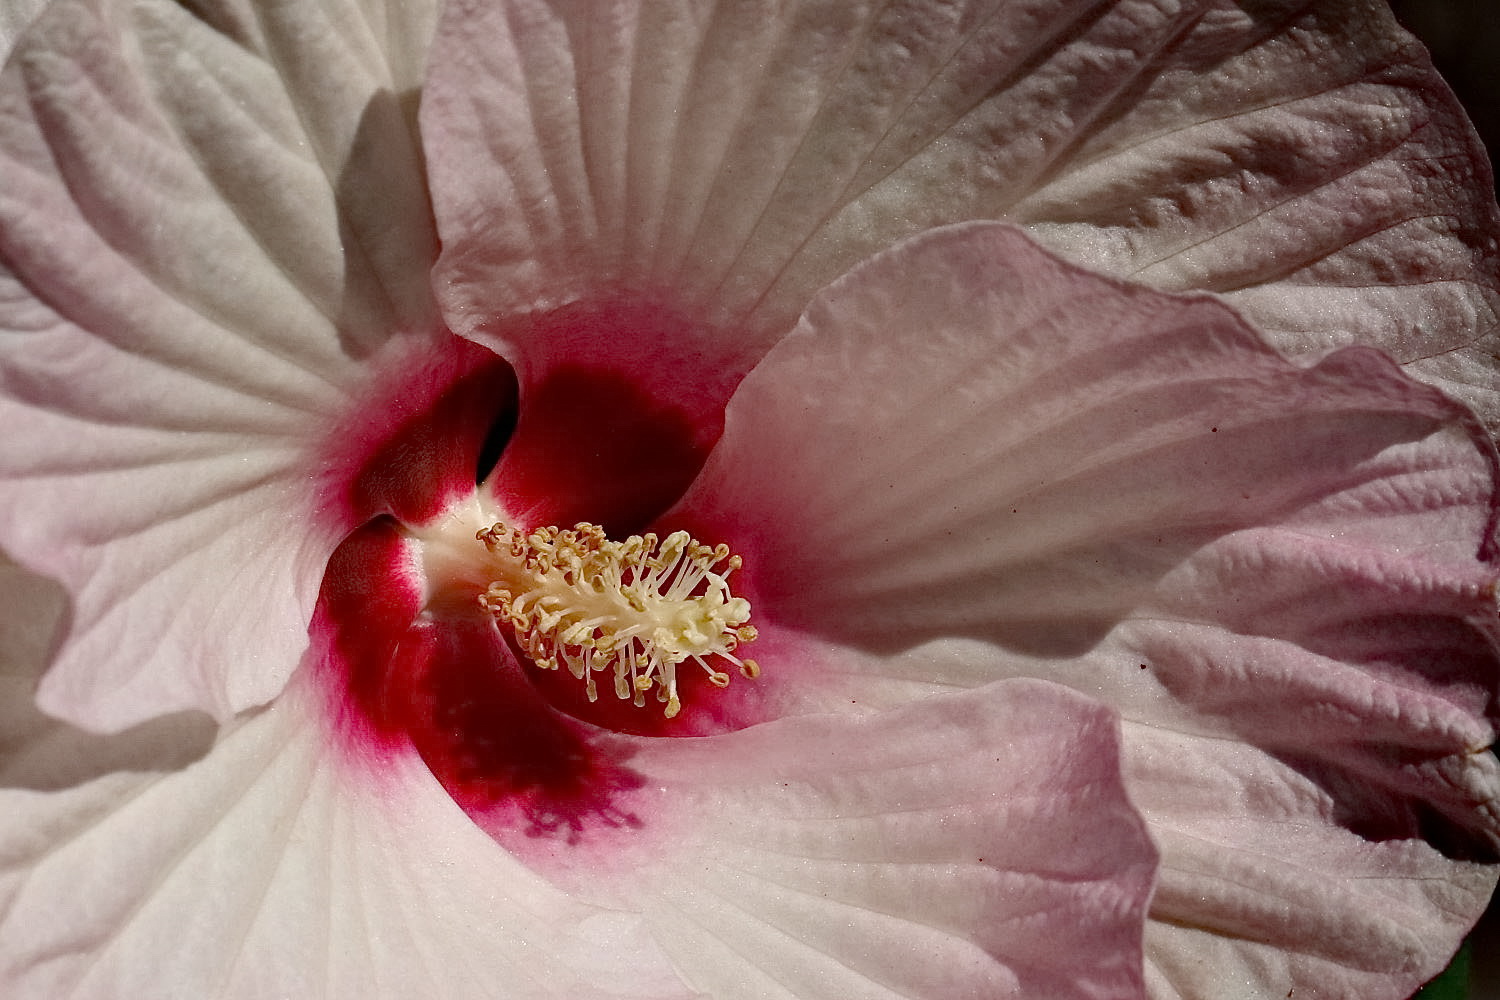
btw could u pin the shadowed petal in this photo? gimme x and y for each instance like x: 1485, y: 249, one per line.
x: 39, y: 752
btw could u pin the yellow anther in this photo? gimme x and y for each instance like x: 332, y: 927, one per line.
x: 636, y: 608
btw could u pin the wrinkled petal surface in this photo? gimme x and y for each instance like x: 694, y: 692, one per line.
x: 954, y: 848
x: 1302, y: 158
x: 973, y: 460
x: 209, y: 228
x: 1267, y: 882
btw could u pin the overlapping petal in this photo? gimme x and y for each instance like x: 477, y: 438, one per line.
x: 1301, y: 158
x: 1272, y: 876
x: 267, y: 870
x: 209, y: 227
x: 1280, y: 575
x: 944, y: 849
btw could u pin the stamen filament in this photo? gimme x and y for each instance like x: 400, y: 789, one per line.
x: 638, y: 607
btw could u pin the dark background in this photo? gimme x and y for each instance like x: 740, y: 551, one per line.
x: 1464, y: 38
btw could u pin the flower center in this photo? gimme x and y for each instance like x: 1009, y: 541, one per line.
x: 635, y: 609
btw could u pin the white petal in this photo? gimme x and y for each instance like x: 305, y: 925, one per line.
x: 275, y: 867
x: 207, y: 227
x: 1284, y: 158
x: 1301, y: 157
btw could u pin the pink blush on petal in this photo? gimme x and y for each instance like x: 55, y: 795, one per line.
x: 370, y: 597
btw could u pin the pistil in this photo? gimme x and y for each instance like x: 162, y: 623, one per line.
x: 636, y: 609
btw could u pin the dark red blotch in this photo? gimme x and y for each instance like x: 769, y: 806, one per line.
x: 452, y: 689
x: 612, y: 427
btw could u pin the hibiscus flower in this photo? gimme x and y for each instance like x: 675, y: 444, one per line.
x: 970, y: 477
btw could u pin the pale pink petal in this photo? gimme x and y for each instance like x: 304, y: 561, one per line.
x: 974, y: 846
x: 15, y: 15
x: 968, y: 436
x: 273, y: 868
x: 1302, y: 158
x: 206, y: 227
x: 1021, y: 469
